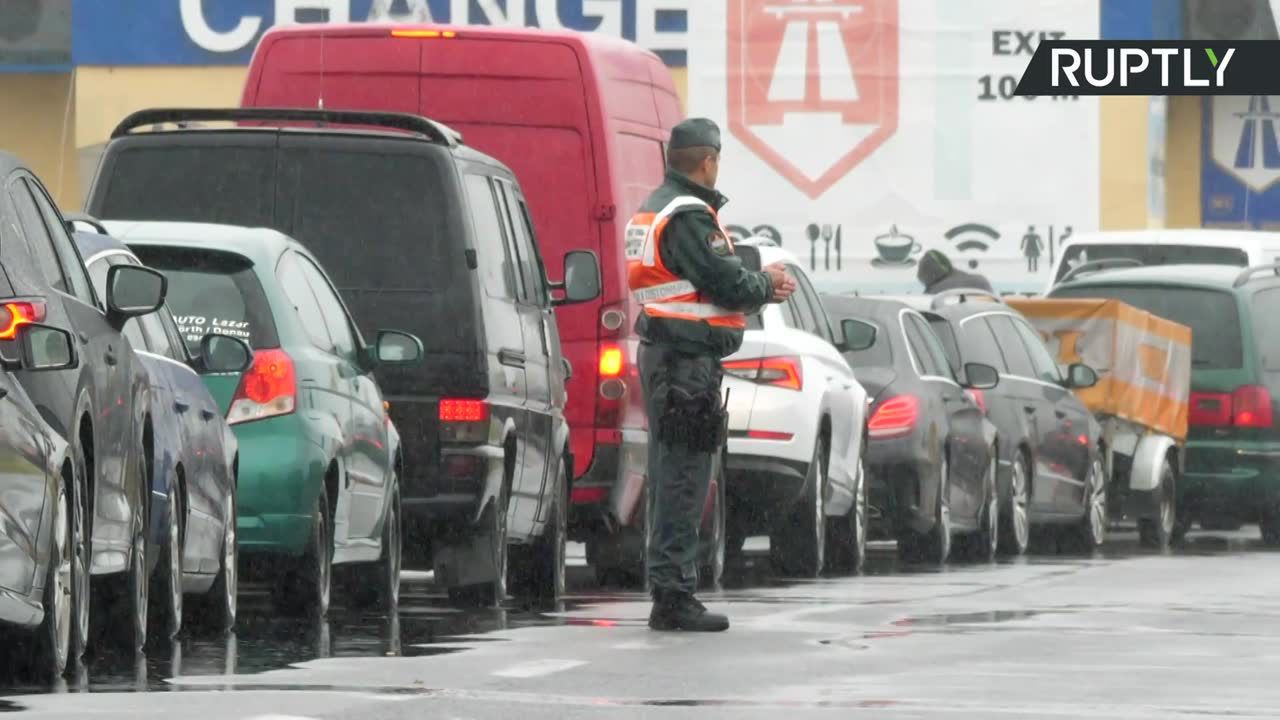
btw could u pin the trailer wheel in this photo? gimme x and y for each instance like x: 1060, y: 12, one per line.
x: 1157, y: 532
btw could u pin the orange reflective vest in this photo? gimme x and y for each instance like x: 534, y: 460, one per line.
x: 660, y: 292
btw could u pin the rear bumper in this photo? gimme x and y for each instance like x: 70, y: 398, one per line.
x: 281, y: 474
x: 607, y: 496
x: 902, y: 486
x: 761, y: 489
x: 454, y: 491
x: 1235, y: 480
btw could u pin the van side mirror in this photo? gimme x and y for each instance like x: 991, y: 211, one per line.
x: 1081, y: 376
x: 224, y: 354
x: 979, y: 376
x: 858, y: 335
x: 132, y: 291
x: 581, y: 278
x: 43, y: 347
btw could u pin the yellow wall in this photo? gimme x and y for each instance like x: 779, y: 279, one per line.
x: 105, y: 95
x: 1182, y: 163
x: 37, y: 125
x: 1123, y: 165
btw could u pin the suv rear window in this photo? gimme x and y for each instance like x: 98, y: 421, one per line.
x: 213, y: 292
x: 1153, y: 255
x: 201, y: 183
x: 1211, y: 315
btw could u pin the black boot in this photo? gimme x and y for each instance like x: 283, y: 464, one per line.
x: 675, y: 610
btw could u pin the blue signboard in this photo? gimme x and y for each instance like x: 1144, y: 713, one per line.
x: 225, y: 32
x: 1240, y: 151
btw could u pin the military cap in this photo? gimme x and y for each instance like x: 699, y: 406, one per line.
x: 695, y: 132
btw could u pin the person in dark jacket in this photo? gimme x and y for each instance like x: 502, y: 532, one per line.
x: 938, y: 274
x: 694, y: 295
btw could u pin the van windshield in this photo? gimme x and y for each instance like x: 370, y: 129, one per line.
x: 1075, y: 255
x: 1211, y: 315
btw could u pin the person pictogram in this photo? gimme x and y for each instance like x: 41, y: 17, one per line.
x: 1032, y: 246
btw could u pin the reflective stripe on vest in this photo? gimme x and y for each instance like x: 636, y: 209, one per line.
x: 660, y: 292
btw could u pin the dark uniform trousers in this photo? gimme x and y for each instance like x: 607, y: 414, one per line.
x: 679, y: 477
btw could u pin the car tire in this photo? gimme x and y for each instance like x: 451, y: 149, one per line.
x: 81, y: 597
x: 715, y: 547
x: 1015, y: 524
x: 494, y: 592
x: 1269, y: 526
x: 933, y: 547
x: 305, y: 587
x: 1158, y: 532
x: 216, y: 610
x: 376, y: 585
x: 847, y: 536
x: 798, y: 542
x: 165, y: 615
x: 53, y: 643
x: 1090, y: 531
x: 543, y: 561
x: 984, y: 543
x: 123, y: 597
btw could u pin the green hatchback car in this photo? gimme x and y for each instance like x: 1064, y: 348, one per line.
x: 319, y: 455
x: 1232, y: 473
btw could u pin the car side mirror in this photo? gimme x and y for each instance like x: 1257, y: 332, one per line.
x: 750, y: 257
x: 397, y: 348
x: 1081, y: 376
x: 581, y: 278
x: 224, y: 354
x: 44, y: 348
x: 133, y: 290
x: 858, y: 335
x: 980, y: 377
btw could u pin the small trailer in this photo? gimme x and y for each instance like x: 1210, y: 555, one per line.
x: 1141, y: 398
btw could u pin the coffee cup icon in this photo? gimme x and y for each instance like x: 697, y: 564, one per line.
x: 896, y: 247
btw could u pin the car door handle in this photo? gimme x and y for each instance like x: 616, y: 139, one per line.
x: 207, y: 415
x: 181, y: 406
x: 1061, y: 415
x: 514, y: 358
x: 1029, y: 409
x: 110, y: 357
x: 84, y: 337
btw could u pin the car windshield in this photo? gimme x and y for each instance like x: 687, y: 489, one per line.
x: 1211, y: 314
x: 1075, y: 255
x: 213, y: 292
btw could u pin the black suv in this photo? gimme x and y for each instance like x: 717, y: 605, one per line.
x: 421, y: 232
x: 98, y: 406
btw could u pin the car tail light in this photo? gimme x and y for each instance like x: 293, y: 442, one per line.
x: 463, y: 419
x: 424, y: 34
x: 783, y: 371
x: 1251, y: 407
x: 269, y: 388
x: 897, y: 416
x: 610, y: 361
x: 979, y: 399
x: 14, y: 315
x: 1248, y: 407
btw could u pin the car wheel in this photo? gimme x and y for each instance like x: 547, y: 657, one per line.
x: 933, y: 547
x: 798, y: 542
x: 1157, y: 532
x: 541, y: 564
x: 166, y: 584
x: 985, y: 541
x: 217, y: 609
x: 1015, y: 526
x: 123, y: 597
x: 1270, y: 528
x: 53, y: 644
x: 305, y: 587
x: 376, y: 585
x: 80, y: 596
x: 1091, y: 530
x: 847, y: 536
x: 715, y: 548
x: 494, y: 592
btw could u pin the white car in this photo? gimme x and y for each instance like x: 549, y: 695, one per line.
x: 797, y: 419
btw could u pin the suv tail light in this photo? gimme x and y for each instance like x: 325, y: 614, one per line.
x: 1248, y: 407
x: 782, y: 371
x: 269, y: 388
x: 14, y: 315
x: 463, y: 419
x: 897, y: 416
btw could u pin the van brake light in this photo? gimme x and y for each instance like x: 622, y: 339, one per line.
x: 424, y: 34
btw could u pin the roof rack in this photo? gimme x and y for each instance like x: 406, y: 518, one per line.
x: 1099, y: 265
x: 430, y: 129
x: 963, y: 294
x: 95, y: 223
x: 1247, y: 274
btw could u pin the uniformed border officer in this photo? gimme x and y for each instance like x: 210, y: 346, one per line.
x: 694, y: 294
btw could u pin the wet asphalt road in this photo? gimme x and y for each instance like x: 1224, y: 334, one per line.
x: 1125, y: 634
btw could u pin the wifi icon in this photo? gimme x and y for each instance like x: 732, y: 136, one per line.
x: 972, y: 237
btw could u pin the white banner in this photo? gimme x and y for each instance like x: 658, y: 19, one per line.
x: 862, y: 132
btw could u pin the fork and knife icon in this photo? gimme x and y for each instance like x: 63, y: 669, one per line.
x: 828, y: 233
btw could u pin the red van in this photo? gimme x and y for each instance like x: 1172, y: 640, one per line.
x: 582, y: 120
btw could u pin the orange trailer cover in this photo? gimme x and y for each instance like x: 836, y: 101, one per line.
x: 1143, y: 361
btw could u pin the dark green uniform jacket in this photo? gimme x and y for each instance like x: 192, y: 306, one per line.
x: 693, y: 247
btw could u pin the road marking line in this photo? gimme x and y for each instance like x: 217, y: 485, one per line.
x: 538, y: 668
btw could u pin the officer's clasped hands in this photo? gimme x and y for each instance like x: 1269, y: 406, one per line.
x: 783, y: 284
